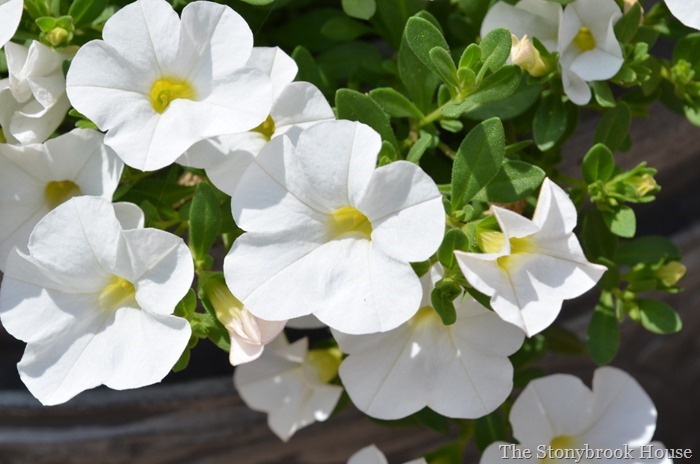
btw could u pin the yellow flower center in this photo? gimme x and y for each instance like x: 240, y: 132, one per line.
x: 584, y: 40
x: 60, y: 191
x: 348, y: 220
x: 562, y: 442
x: 492, y: 242
x: 227, y: 307
x: 2, y: 137
x: 165, y: 90
x: 267, y: 128
x: 326, y: 362
x: 118, y: 293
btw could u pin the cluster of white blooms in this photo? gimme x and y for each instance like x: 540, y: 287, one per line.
x: 581, y: 32
x: 328, y: 234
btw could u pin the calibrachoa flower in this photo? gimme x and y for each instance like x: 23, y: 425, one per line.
x: 36, y: 178
x: 372, y: 455
x: 587, y: 46
x: 33, y: 98
x: 249, y: 334
x: 559, y: 416
x: 296, y: 106
x: 534, y: 18
x: 158, y: 84
x: 93, y: 300
x: 687, y: 11
x: 460, y: 370
x: 328, y: 229
x: 290, y: 384
x: 531, y: 266
x: 10, y: 14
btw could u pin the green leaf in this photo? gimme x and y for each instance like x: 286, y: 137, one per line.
x: 360, y: 9
x: 621, y: 222
x: 549, y: 124
x: 471, y: 57
x: 454, y: 239
x: 489, y: 429
x: 614, y: 127
x: 499, y: 86
x: 258, y: 2
x: 187, y: 306
x: 650, y: 249
x: 387, y: 153
x: 395, y: 104
x: 603, y: 333
x: 688, y: 49
x: 478, y: 160
x: 658, y: 317
x: 309, y: 70
x: 418, y: 149
x: 598, y: 164
x: 562, y: 341
x: 603, y: 94
x: 184, y: 360
x: 442, y: 298
x: 495, y: 48
x: 515, y: 181
x: 84, y: 12
x: 422, y: 36
x: 392, y: 16
x: 596, y: 237
x: 205, y: 220
x: 357, y: 106
x: 342, y: 28
x: 627, y: 26
x: 419, y: 80
x: 444, y: 66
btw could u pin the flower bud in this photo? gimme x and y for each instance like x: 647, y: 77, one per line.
x: 644, y: 184
x: 671, y: 273
x: 524, y: 54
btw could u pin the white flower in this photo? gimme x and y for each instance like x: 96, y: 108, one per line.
x: 10, y: 14
x: 93, y: 301
x: 290, y: 384
x: 327, y: 229
x: 158, y: 84
x: 248, y: 334
x: 36, y: 178
x: 588, y: 49
x: 559, y: 413
x: 534, y: 18
x: 524, y: 54
x: 372, y: 455
x: 33, y: 99
x: 531, y: 266
x: 686, y: 11
x: 461, y: 370
x: 296, y: 106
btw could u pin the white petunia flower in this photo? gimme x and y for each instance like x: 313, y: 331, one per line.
x: 328, y: 229
x: 534, y: 18
x: 686, y: 11
x: 460, y: 370
x: 558, y: 415
x: 290, y: 384
x: 158, y: 84
x: 531, y: 266
x: 588, y: 49
x: 33, y: 98
x: 248, y: 334
x: 10, y: 15
x: 372, y: 455
x: 296, y: 106
x: 93, y: 301
x: 36, y: 178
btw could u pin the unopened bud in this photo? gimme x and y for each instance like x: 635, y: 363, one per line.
x: 671, y: 273
x: 643, y: 184
x: 524, y: 54
x: 58, y: 36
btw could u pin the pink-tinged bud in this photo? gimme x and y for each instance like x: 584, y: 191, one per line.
x: 524, y: 54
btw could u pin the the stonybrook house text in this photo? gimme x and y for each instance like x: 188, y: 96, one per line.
x: 512, y: 451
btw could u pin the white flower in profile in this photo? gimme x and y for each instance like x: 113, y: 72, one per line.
x: 686, y: 11
x: 534, y: 18
x: 248, y: 334
x: 531, y: 266
x: 296, y: 106
x: 372, y: 455
x: 460, y: 370
x: 36, y: 178
x: 33, y: 98
x: 157, y: 83
x: 588, y: 49
x: 93, y: 301
x: 558, y: 413
x: 328, y: 229
x: 10, y: 15
x: 290, y: 384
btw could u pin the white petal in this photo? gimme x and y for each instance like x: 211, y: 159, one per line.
x: 555, y: 213
x: 160, y: 266
x: 622, y: 411
x: 368, y: 455
x: 129, y: 215
x: 549, y: 407
x: 405, y: 208
x: 536, y: 18
x: 275, y: 63
x: 305, y: 322
x: 32, y: 123
x: 514, y: 225
x: 300, y: 105
x: 597, y: 65
x: 11, y: 13
x: 687, y: 12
